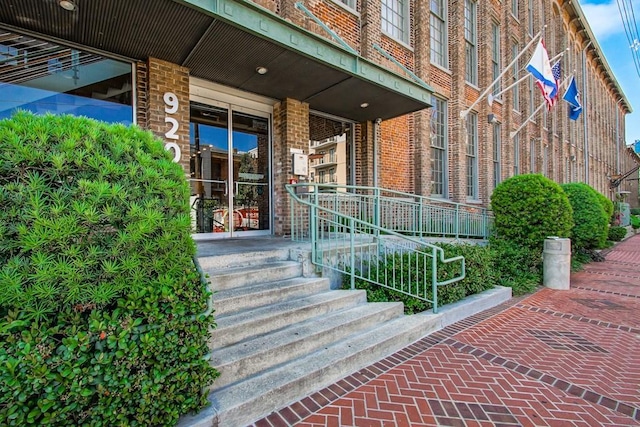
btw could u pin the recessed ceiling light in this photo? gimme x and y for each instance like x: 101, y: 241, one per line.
x: 262, y: 70
x: 364, y: 105
x: 67, y: 5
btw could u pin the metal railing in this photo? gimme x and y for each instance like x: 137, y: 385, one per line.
x: 405, y: 213
x: 357, y: 234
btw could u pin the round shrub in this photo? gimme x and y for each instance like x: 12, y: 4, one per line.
x: 616, y: 233
x: 589, y: 217
x: 607, y: 205
x: 99, y: 295
x: 529, y: 208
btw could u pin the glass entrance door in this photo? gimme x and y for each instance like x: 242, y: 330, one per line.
x: 230, y: 192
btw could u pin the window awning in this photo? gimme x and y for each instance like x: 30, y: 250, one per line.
x: 226, y: 41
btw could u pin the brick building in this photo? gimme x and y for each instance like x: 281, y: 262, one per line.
x: 235, y: 88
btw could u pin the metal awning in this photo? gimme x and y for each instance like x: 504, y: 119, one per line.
x: 225, y: 41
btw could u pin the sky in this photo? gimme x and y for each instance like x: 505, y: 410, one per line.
x: 606, y: 23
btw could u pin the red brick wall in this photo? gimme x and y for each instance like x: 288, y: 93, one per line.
x: 164, y: 77
x: 395, y: 166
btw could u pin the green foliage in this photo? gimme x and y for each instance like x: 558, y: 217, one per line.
x: 617, y: 233
x: 97, y: 284
x: 516, y: 266
x: 502, y: 263
x: 635, y: 211
x: 589, y: 216
x: 635, y: 221
x: 478, y: 278
x: 607, y: 205
x: 529, y: 208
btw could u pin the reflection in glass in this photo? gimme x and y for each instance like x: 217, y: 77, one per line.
x: 224, y: 200
x: 44, y: 77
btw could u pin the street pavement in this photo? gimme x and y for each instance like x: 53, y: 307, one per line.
x: 552, y: 358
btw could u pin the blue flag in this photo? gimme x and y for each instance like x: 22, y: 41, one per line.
x: 572, y: 96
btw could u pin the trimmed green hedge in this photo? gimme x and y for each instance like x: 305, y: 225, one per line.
x: 607, y: 205
x: 617, y: 233
x: 99, y: 295
x: 529, y: 208
x: 589, y: 217
x: 479, y: 277
x: 502, y: 263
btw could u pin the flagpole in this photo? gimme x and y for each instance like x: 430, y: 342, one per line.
x: 514, y: 133
x: 493, y: 96
x: 465, y: 113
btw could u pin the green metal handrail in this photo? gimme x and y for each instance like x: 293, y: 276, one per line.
x: 342, y: 241
x: 406, y: 213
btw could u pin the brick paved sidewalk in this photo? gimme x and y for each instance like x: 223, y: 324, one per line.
x: 554, y: 358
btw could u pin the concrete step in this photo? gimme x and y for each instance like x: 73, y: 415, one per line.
x: 243, y: 402
x: 240, y: 259
x: 234, y: 328
x: 239, y: 361
x: 229, y: 278
x: 249, y: 297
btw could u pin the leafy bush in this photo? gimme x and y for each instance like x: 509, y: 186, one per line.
x: 516, y: 266
x: 607, y: 205
x: 590, y: 219
x: 99, y: 294
x: 635, y: 221
x: 616, y: 233
x: 635, y: 211
x: 478, y: 277
x: 529, y: 208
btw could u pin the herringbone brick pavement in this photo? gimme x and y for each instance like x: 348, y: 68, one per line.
x: 554, y: 358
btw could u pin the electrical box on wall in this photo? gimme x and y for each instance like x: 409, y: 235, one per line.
x: 300, y: 164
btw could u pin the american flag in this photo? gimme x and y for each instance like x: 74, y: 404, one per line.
x: 553, y: 96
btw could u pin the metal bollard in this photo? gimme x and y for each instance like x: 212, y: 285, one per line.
x: 556, y: 263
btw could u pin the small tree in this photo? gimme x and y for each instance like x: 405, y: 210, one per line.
x: 529, y: 208
x: 589, y: 217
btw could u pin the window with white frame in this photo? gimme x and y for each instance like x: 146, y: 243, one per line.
x: 532, y: 96
x: 349, y: 3
x: 495, y: 56
x: 545, y: 161
x: 516, y: 154
x: 470, y: 40
x: 532, y: 156
x: 515, y: 50
x: 514, y: 8
x: 530, y: 17
x: 472, y: 156
x: 439, y: 166
x: 395, y: 19
x: 497, y: 167
x: 438, y: 30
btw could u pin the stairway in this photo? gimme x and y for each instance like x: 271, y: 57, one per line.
x: 281, y: 336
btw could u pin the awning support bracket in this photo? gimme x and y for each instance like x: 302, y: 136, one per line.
x: 405, y: 69
x: 324, y: 26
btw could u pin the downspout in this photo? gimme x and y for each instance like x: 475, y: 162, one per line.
x: 618, y: 138
x: 585, y: 115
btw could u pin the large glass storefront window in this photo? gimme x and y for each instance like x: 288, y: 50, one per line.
x: 44, y: 77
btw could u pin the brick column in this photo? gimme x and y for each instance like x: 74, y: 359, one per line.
x: 164, y: 77
x: 290, y: 130
x: 422, y: 126
x: 364, y: 154
x: 457, y: 130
